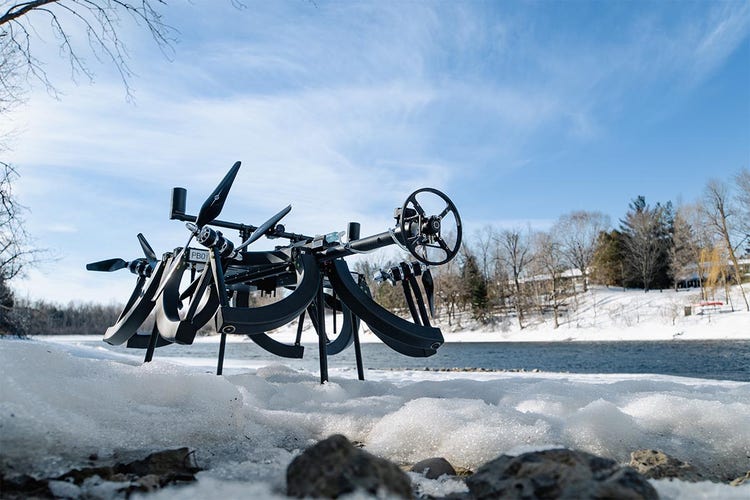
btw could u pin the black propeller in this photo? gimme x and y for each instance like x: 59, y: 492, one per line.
x: 147, y: 250
x: 137, y: 266
x: 107, y: 266
x: 215, y: 202
x: 261, y: 230
x: 209, y: 211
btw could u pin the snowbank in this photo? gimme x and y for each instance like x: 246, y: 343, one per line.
x: 601, y: 314
x: 608, y: 314
x: 60, y: 404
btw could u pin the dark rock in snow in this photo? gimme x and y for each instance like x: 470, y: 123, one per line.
x: 433, y: 468
x: 655, y: 464
x: 334, y: 467
x: 558, y: 474
x: 153, y: 472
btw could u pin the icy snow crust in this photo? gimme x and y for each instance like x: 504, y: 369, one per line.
x: 61, y: 403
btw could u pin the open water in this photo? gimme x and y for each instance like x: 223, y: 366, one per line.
x: 723, y: 360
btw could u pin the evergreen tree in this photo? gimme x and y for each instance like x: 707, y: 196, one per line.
x: 609, y: 258
x: 7, y: 326
x: 476, y: 288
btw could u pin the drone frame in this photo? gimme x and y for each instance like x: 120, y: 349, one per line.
x: 222, y: 278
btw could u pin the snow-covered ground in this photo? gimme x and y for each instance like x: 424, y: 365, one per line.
x: 617, y: 314
x: 603, y: 314
x: 61, y: 402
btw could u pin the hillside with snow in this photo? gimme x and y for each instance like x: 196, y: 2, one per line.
x: 602, y: 314
x: 616, y: 314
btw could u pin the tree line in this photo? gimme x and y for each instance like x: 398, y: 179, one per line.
x: 523, y: 275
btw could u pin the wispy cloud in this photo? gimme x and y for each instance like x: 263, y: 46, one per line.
x: 344, y: 108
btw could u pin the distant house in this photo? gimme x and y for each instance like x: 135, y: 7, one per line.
x: 691, y: 278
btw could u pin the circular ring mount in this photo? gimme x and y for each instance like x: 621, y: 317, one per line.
x: 431, y: 239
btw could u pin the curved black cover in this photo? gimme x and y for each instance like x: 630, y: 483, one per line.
x: 349, y: 326
x: 253, y: 320
x: 276, y: 347
x: 179, y: 320
x: 269, y: 344
x: 139, y: 341
x: 139, y: 306
x: 399, y: 334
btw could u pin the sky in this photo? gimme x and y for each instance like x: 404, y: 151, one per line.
x: 519, y: 111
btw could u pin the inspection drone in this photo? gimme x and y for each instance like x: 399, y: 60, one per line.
x: 213, y: 282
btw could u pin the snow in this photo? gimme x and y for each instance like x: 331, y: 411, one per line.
x: 602, y: 314
x: 62, y: 401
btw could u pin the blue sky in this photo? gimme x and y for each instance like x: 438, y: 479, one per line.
x: 519, y: 111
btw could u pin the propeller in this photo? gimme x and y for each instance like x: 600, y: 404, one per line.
x: 147, y: 250
x: 107, y: 266
x: 215, y: 202
x: 261, y: 230
x: 137, y: 266
x: 209, y: 211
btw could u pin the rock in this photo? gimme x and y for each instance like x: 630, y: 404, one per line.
x: 741, y: 480
x: 169, y: 465
x: 433, y: 468
x: 334, y: 467
x: 23, y: 486
x: 153, y: 472
x: 558, y: 474
x: 655, y: 464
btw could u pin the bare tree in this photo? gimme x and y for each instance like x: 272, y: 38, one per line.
x: 15, y: 247
x: 515, y: 254
x: 682, y: 252
x: 449, y: 289
x: 721, y: 215
x: 550, y: 262
x: 16, y: 251
x: 11, y: 93
x: 99, y: 20
x: 646, y: 238
x: 486, y: 254
x: 743, y: 204
x: 700, y: 242
x: 578, y: 233
x: 485, y: 247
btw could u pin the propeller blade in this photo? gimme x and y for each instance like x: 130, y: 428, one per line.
x: 429, y: 290
x: 261, y: 230
x: 215, y: 202
x: 107, y: 266
x: 147, y: 250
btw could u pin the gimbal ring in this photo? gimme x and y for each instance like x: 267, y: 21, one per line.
x: 421, y: 232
